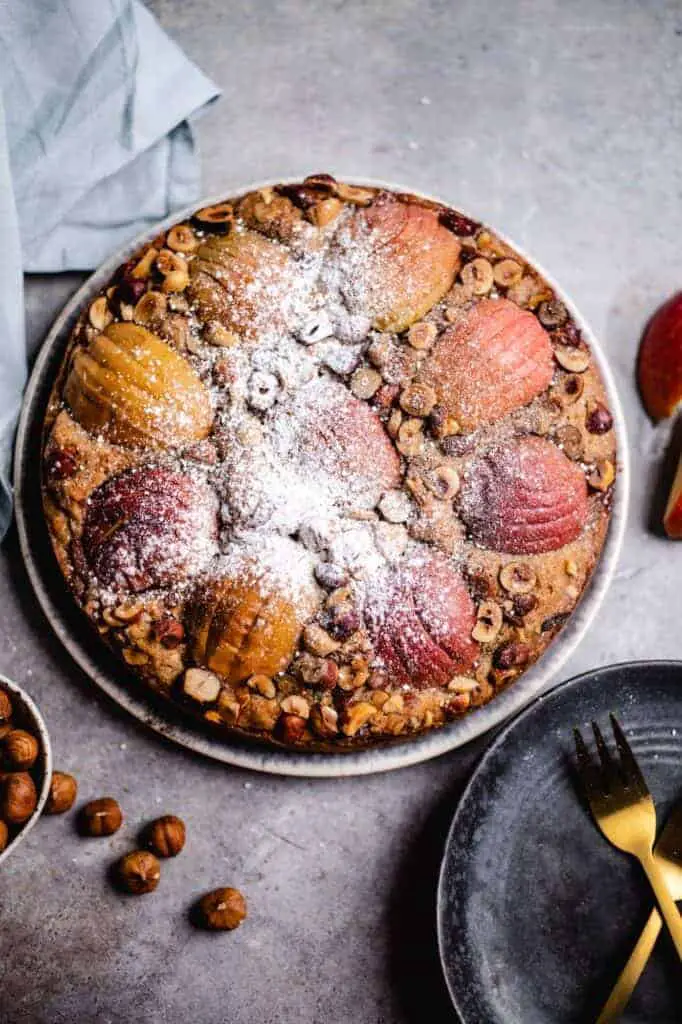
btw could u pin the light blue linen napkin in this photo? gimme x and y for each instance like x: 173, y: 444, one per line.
x: 95, y: 144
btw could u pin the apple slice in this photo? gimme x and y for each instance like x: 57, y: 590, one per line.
x: 660, y: 361
x: 672, y: 520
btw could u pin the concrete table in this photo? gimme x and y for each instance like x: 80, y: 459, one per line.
x: 559, y: 123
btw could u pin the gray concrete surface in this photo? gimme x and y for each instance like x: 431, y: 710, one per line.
x: 557, y: 120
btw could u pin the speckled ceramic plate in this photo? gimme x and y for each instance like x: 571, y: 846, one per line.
x: 74, y: 632
x: 27, y: 715
x: 537, y: 913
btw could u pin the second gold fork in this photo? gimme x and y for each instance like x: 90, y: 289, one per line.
x: 624, y: 811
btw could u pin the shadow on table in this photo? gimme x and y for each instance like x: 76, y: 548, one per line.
x: 416, y: 974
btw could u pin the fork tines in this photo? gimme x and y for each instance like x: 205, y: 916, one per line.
x: 613, y: 773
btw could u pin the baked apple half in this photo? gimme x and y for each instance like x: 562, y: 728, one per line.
x: 421, y: 617
x: 496, y: 358
x: 524, y: 497
x: 398, y: 261
x: 132, y: 388
x: 149, y: 526
x: 248, y: 620
x: 243, y: 281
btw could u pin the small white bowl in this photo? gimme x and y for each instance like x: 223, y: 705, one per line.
x: 27, y: 716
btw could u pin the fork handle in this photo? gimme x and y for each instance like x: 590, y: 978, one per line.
x: 632, y: 972
x: 666, y: 903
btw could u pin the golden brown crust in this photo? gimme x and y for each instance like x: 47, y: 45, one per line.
x: 226, y: 332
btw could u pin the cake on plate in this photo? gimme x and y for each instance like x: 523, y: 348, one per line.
x: 327, y: 464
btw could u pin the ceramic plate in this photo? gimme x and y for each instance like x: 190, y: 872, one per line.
x: 111, y: 676
x: 537, y: 912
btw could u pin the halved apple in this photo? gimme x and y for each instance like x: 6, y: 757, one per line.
x: 132, y: 388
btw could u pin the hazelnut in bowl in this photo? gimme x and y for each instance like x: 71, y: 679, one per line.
x: 25, y: 765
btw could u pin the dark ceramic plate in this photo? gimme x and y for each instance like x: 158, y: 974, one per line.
x: 537, y: 913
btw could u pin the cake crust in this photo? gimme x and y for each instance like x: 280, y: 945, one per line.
x: 327, y: 465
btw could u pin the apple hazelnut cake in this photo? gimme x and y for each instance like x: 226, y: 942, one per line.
x: 327, y: 464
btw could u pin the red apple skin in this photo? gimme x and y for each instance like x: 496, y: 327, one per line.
x: 422, y: 625
x: 148, y: 527
x: 660, y: 361
x: 672, y: 520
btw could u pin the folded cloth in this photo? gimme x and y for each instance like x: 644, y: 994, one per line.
x: 97, y: 144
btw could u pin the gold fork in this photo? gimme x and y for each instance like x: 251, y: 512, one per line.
x: 624, y: 811
x: 668, y: 854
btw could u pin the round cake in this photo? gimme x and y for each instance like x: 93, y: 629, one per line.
x: 327, y: 464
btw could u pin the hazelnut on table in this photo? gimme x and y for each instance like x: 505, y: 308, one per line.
x: 139, y: 872
x: 63, y: 791
x: 166, y: 835
x: 100, y: 817
x: 222, y: 909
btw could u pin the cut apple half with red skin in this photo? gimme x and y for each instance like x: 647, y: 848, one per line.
x: 524, y: 497
x: 660, y: 361
x: 495, y: 359
x: 421, y: 618
x: 672, y: 520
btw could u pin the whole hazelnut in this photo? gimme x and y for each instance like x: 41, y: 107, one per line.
x: 21, y: 749
x: 166, y: 836
x: 4, y: 835
x: 5, y: 707
x: 139, y: 872
x: 18, y: 798
x: 63, y: 790
x: 100, y: 817
x: 222, y: 909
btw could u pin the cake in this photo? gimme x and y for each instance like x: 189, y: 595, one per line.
x: 327, y: 465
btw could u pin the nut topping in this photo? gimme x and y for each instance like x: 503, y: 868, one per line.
x: 216, y: 334
x: 410, y: 438
x: 575, y: 360
x: 418, y: 399
x: 216, y: 219
x: 201, y: 685
x: 570, y: 440
x: 395, y: 506
x: 602, y: 475
x: 478, y: 275
x: 356, y: 716
x: 296, y: 705
x: 518, y: 578
x: 365, y: 382
x: 488, y: 622
x: 150, y: 309
x: 513, y: 655
x: 181, y: 238
x: 507, y: 273
x: 443, y: 481
x: 571, y: 388
x: 324, y: 721
x: 318, y: 641
x: 552, y: 313
x: 99, y: 314
x: 422, y: 335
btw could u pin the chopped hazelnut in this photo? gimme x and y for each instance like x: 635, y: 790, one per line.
x: 443, y: 481
x: 63, y: 790
x: 575, y: 360
x: 222, y: 909
x: 518, y: 578
x: 291, y: 727
x: 150, y: 309
x: 478, y: 275
x: 99, y: 314
x: 507, y: 273
x: 395, y: 506
x: 422, y: 335
x: 552, y: 313
x: 325, y: 211
x: 356, y: 716
x: 201, y: 685
x: 365, y: 382
x: 263, y: 685
x: 602, y: 475
x: 324, y: 721
x: 488, y: 622
x: 166, y: 835
x: 216, y: 334
x: 318, y: 641
x: 296, y: 705
x: 100, y: 817
x: 418, y: 399
x: 139, y: 872
x: 410, y: 437
x: 181, y: 238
